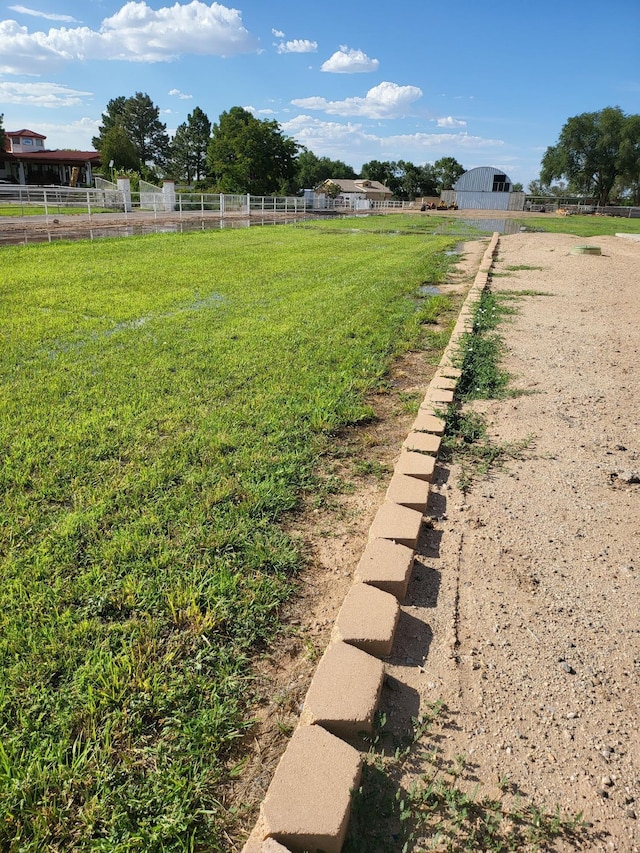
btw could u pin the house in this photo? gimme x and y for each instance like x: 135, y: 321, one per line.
x: 27, y: 161
x: 484, y: 188
x: 356, y: 192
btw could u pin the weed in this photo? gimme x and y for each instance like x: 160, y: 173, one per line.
x: 521, y: 267
x: 434, y: 308
x: 482, y: 378
x: 410, y: 401
x: 444, y: 810
x: 367, y: 467
x: 519, y: 294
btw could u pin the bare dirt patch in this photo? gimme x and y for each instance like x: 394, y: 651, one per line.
x: 523, y: 607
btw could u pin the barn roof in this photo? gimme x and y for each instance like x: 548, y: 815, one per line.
x: 480, y: 179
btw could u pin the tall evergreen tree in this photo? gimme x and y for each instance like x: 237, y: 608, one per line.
x: 117, y: 148
x: 188, y: 153
x: 140, y: 118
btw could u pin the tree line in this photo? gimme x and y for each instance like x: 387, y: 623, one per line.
x: 242, y: 154
x: 597, y: 155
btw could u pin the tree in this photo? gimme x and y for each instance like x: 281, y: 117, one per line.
x: 188, y: 154
x: 311, y: 170
x: 415, y: 181
x: 3, y: 140
x: 588, y: 153
x: 540, y: 190
x: 447, y: 171
x: 385, y: 172
x: 629, y: 159
x: 404, y: 179
x: 140, y: 118
x: 247, y: 155
x: 118, y: 148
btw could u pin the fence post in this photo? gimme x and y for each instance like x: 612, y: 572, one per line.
x: 124, y: 187
x: 168, y: 195
x: 221, y: 204
x: 89, y: 203
x: 46, y: 207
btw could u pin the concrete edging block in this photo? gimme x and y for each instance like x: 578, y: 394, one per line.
x: 344, y: 692
x: 273, y: 846
x: 428, y: 422
x: 423, y: 442
x: 396, y: 522
x: 367, y: 620
x: 446, y: 383
x: 386, y: 565
x: 416, y: 465
x: 308, y: 803
x: 408, y: 491
x: 439, y: 395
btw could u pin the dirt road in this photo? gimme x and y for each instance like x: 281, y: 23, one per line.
x: 524, y: 610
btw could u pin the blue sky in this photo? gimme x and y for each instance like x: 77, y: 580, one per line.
x: 487, y: 83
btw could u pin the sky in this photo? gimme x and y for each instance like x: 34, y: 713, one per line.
x: 489, y: 83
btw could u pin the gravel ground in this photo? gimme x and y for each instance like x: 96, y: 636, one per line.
x: 523, y: 613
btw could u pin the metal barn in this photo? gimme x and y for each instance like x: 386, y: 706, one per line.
x: 484, y: 188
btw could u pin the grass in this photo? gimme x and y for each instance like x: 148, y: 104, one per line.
x: 445, y: 809
x: 583, y: 226
x: 53, y: 209
x: 164, y: 404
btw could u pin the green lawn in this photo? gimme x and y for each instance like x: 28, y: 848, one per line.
x: 53, y: 209
x: 584, y: 226
x: 164, y: 401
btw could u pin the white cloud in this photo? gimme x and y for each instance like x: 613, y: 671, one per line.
x: 136, y: 33
x: 277, y: 34
x: 76, y: 134
x: 450, y: 121
x: 437, y: 140
x: 330, y: 138
x: 49, y: 95
x: 297, y: 46
x: 257, y: 112
x: 48, y: 16
x: 180, y: 94
x: 355, y: 144
x: 387, y: 100
x: 348, y: 61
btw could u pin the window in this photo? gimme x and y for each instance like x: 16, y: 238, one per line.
x: 26, y: 140
x: 501, y: 184
x: 39, y: 143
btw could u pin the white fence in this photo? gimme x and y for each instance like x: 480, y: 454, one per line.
x: 20, y: 201
x: 107, y: 198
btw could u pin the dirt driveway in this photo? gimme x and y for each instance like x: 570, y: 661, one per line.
x: 525, y: 601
